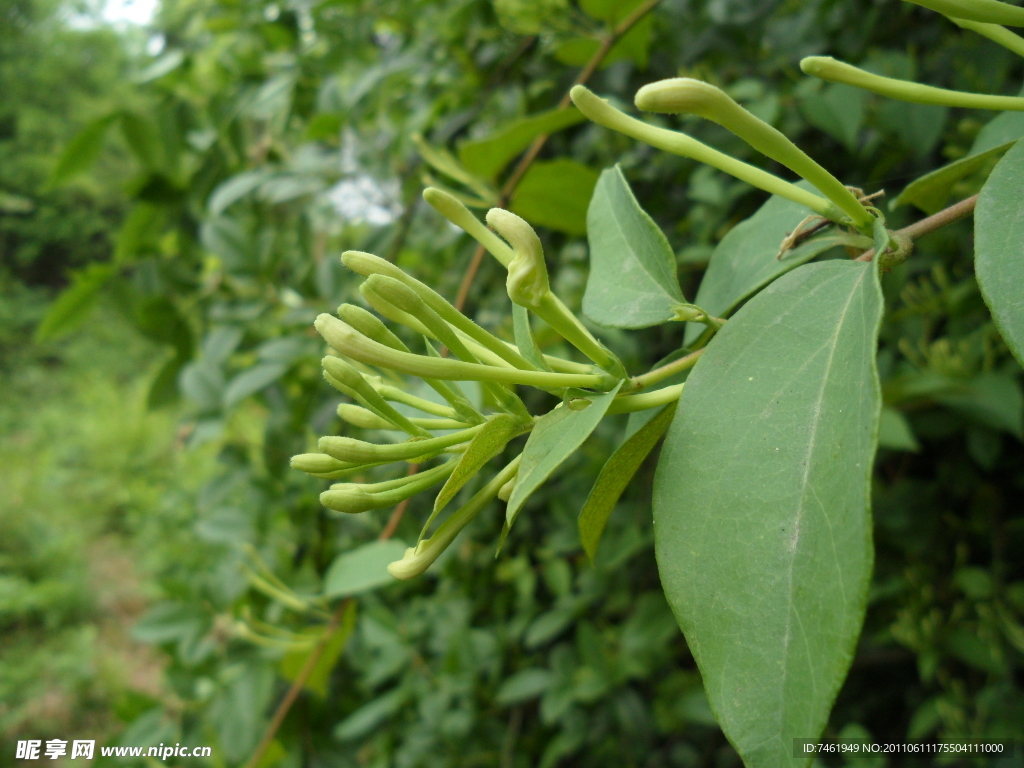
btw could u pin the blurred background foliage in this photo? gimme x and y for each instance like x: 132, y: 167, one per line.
x: 173, y: 202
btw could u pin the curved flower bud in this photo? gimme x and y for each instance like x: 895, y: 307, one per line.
x: 603, y: 113
x: 353, y: 498
x: 459, y: 215
x: 683, y: 95
x: 350, y: 449
x: 367, y: 419
x: 834, y: 71
x: 987, y: 11
x: 527, y: 283
x: 367, y: 264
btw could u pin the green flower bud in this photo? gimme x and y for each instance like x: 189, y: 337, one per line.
x: 370, y: 326
x: 987, y: 11
x: 366, y: 419
x: 683, y: 95
x: 350, y: 449
x: 367, y: 264
x: 527, y: 273
x: 601, y: 112
x: 352, y: 498
x: 338, y: 369
x: 318, y: 463
x: 343, y: 338
x: 459, y: 215
x: 834, y: 71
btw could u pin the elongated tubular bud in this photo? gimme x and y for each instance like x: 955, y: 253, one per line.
x: 834, y: 71
x: 350, y: 377
x: 392, y: 313
x: 344, y: 339
x: 417, y: 559
x: 645, y: 400
x: 441, y: 470
x: 688, y: 96
x: 367, y: 264
x: 459, y: 215
x: 368, y: 325
x: 396, y: 395
x: 601, y: 112
x: 366, y: 419
x: 986, y: 11
x: 528, y: 287
x: 350, y: 449
x: 995, y: 33
x: 407, y: 300
x: 327, y: 467
x: 353, y: 498
x: 319, y: 463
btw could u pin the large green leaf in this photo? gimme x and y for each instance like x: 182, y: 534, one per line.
x: 999, y: 243
x: 486, y: 157
x: 615, y: 476
x: 554, y: 194
x: 932, y: 191
x: 632, y: 282
x: 761, y: 504
x: 363, y: 568
x: 555, y: 438
x: 746, y: 260
x: 71, y: 308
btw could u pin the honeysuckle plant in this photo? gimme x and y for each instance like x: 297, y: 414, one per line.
x: 770, y: 412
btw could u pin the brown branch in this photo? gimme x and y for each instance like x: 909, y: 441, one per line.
x: 538, y: 144
x: 943, y: 218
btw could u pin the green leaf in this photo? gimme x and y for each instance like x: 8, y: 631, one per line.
x: 555, y: 438
x: 143, y: 138
x: 363, y: 568
x: 442, y: 160
x: 164, y: 389
x: 524, y: 685
x: 999, y: 246
x: 745, y: 260
x: 990, y: 399
x: 761, y: 504
x: 615, y: 476
x: 524, y: 338
x: 634, y: 45
x: 932, y: 191
x: 633, y: 281
x: 838, y: 110
x: 251, y: 381
x: 72, y: 306
x: 485, y: 445
x: 894, y: 432
x: 234, y: 189
x: 320, y: 676
x: 369, y: 716
x: 486, y: 157
x: 81, y: 153
x: 554, y: 194
x: 166, y: 64
x: 139, y: 232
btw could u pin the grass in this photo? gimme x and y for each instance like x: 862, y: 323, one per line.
x: 86, y: 478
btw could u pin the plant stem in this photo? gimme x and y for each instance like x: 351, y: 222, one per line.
x: 538, y: 144
x: 660, y: 374
x: 936, y: 221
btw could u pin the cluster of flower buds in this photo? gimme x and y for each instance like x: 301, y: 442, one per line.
x: 452, y: 440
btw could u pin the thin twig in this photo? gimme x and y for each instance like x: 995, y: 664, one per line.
x: 331, y: 629
x: 662, y: 373
x: 943, y: 218
x: 538, y: 144
x: 293, y: 693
